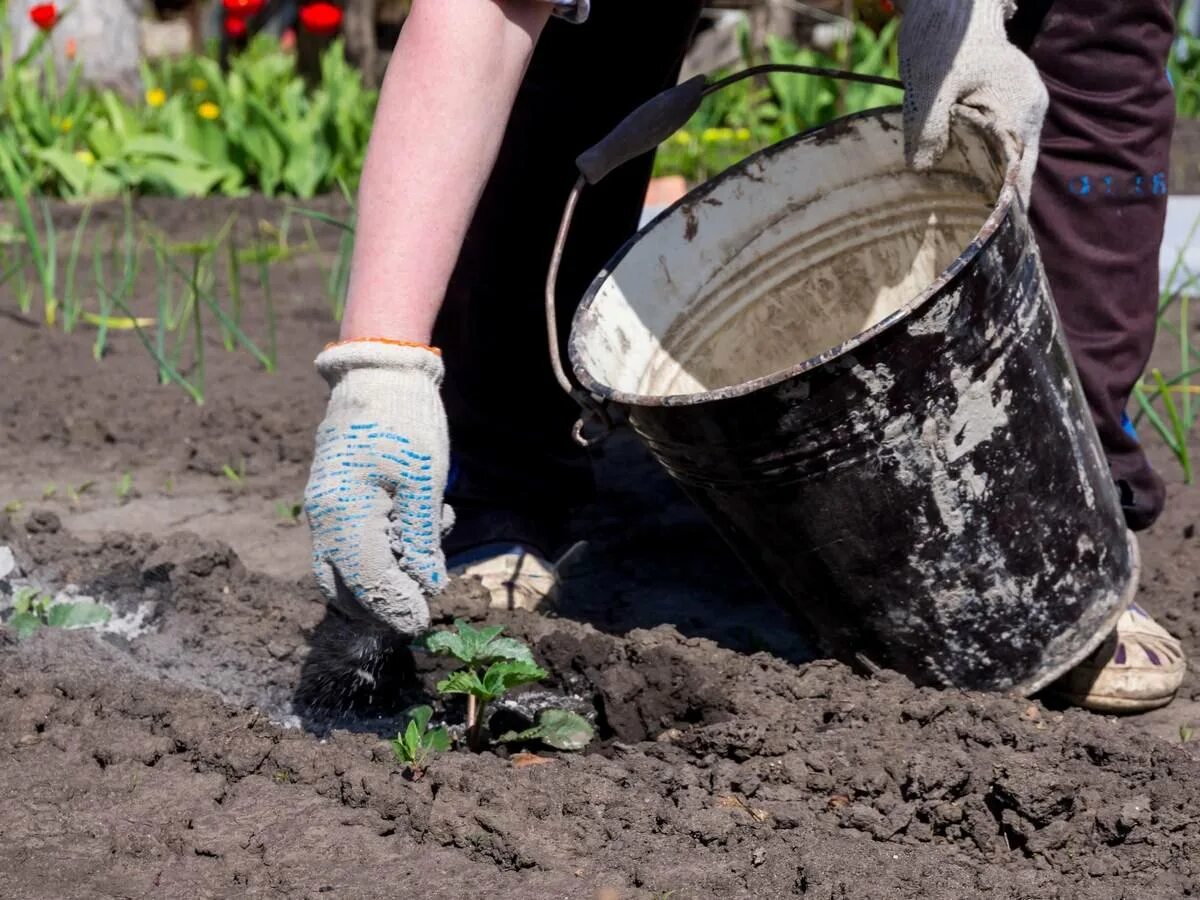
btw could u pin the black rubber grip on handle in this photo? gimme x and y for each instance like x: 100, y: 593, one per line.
x: 643, y: 129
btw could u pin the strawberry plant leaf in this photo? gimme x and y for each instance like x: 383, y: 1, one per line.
x: 557, y: 728
x: 476, y: 646
x: 438, y: 740
x: 420, y: 716
x: 506, y: 648
x: 502, y: 677
x: 77, y: 615
x: 564, y: 730
x: 462, y: 683
x: 24, y: 624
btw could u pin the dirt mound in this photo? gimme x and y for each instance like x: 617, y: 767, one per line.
x: 718, y: 773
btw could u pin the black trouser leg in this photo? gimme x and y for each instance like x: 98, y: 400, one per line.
x: 510, y: 424
x: 1100, y: 200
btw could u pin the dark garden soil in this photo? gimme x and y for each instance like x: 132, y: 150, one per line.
x: 180, y: 753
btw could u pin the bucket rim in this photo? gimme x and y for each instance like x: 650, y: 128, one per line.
x: 1005, y: 200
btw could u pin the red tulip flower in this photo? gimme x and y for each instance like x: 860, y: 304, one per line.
x: 322, y: 19
x: 243, y: 9
x: 235, y: 28
x: 44, y: 15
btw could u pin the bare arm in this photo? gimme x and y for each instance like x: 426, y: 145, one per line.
x: 445, y: 102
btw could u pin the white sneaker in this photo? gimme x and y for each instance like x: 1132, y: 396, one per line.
x: 516, y: 576
x: 1140, y: 667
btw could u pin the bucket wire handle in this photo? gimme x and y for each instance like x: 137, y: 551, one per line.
x: 639, y: 133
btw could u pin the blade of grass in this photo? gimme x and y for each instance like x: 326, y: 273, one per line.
x: 1159, y: 425
x: 102, y: 296
x: 323, y: 217
x: 71, y: 302
x: 1184, y: 358
x: 198, y: 334
x: 264, y: 279
x: 162, y: 302
x: 33, y: 240
x: 163, y: 365
x: 235, y: 295
x: 339, y: 275
x: 200, y: 295
x: 49, y: 287
x: 1177, y: 426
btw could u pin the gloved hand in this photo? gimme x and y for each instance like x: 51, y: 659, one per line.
x: 955, y: 55
x: 374, y: 496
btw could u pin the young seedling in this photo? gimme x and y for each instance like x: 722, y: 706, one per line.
x: 289, y: 513
x: 417, y: 743
x: 32, y: 611
x: 49, y: 491
x: 13, y: 506
x: 238, y: 475
x: 75, y: 492
x: 125, y: 487
x: 492, y: 666
x: 1185, y: 733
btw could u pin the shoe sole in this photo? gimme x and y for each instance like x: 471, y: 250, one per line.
x: 1115, y: 704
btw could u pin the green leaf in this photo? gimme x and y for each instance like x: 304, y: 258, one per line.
x: 24, y: 600
x: 24, y: 624
x: 75, y: 173
x: 158, y: 145
x: 557, y: 728
x: 420, y: 716
x: 502, y: 677
x: 565, y: 730
x: 77, y: 615
x: 438, y: 740
x: 406, y: 745
x: 461, y: 683
x: 477, y: 646
x: 507, y: 648
x: 180, y: 179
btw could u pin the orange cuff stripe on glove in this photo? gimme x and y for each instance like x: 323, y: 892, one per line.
x: 374, y: 340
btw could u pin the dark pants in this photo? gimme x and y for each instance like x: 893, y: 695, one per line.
x: 510, y: 423
x: 1100, y: 199
x: 1098, y: 210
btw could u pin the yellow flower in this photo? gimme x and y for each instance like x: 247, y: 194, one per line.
x: 682, y: 137
x: 208, y: 110
x: 85, y: 157
x: 710, y: 135
x: 743, y: 134
x: 66, y: 124
x: 199, y: 85
x: 156, y: 97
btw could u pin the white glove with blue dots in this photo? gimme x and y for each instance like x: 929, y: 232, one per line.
x: 374, y: 496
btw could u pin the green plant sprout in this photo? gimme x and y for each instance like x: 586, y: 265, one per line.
x: 1185, y: 733
x: 75, y: 492
x: 49, y: 491
x: 289, y: 513
x: 492, y: 666
x: 33, y: 611
x: 417, y: 743
x: 238, y: 475
x: 125, y: 487
x: 13, y: 506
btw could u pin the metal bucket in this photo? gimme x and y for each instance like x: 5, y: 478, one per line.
x: 858, y: 373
